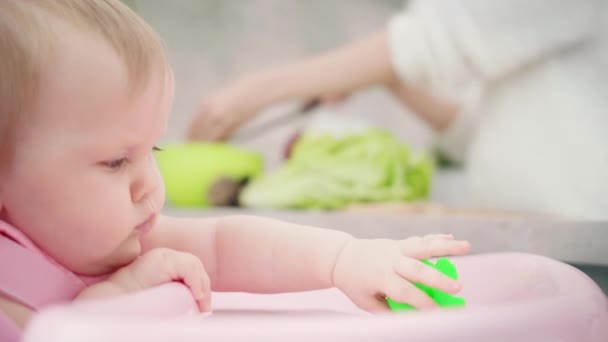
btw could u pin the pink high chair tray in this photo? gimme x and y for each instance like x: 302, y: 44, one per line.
x: 510, y: 297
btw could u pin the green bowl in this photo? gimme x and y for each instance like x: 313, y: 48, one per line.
x: 190, y: 170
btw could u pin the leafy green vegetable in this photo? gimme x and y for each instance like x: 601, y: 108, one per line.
x: 330, y: 172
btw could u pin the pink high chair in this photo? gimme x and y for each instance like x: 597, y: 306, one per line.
x: 510, y: 297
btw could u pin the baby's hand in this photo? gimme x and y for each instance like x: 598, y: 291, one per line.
x: 368, y: 271
x: 163, y: 265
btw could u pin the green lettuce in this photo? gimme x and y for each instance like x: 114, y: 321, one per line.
x: 330, y: 172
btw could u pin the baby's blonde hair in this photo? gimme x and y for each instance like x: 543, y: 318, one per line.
x: 27, y: 38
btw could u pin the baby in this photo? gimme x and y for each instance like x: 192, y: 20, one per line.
x: 85, y: 93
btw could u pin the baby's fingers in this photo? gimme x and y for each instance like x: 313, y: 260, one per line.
x: 374, y: 304
x: 403, y: 291
x: 433, y: 246
x: 417, y: 272
x: 193, y: 274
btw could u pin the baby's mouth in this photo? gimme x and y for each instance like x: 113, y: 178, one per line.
x: 147, y: 225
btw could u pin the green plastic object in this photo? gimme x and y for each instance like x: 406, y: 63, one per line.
x: 190, y: 170
x: 443, y: 299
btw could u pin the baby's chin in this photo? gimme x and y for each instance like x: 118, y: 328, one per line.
x: 124, y: 255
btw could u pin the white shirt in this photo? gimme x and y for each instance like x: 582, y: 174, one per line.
x: 532, y: 76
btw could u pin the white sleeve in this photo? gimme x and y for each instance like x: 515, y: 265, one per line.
x: 455, y: 47
x: 442, y: 43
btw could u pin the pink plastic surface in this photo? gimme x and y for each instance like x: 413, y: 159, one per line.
x: 510, y: 297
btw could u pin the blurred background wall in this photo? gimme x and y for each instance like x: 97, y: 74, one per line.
x: 210, y: 42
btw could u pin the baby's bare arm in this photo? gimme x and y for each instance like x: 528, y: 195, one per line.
x: 153, y: 268
x: 245, y: 253
x: 104, y: 289
x: 257, y: 254
x: 21, y: 314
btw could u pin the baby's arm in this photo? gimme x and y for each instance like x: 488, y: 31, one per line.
x: 254, y: 254
x: 104, y: 289
x: 155, y: 267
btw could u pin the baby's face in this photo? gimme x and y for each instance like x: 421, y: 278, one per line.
x: 85, y: 177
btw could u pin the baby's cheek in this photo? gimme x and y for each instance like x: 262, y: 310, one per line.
x: 159, y: 196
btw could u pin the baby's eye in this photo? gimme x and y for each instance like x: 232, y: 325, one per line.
x: 116, y: 164
x: 157, y: 149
